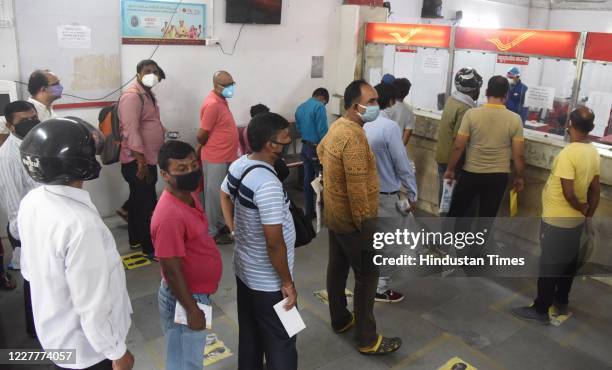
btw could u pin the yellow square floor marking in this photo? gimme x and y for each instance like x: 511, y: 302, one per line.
x: 215, y: 350
x: 135, y: 260
x: 456, y: 363
x: 324, y: 298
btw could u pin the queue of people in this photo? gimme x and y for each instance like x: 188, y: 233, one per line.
x: 75, y: 292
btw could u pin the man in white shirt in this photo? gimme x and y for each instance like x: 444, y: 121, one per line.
x: 45, y: 88
x: 79, y: 295
x: 14, y: 185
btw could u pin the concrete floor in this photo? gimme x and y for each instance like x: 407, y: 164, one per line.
x: 440, y: 318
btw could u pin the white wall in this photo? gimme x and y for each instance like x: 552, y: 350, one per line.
x: 271, y: 65
x: 476, y: 13
x: 581, y: 20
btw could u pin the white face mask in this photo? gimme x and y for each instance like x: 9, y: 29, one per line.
x: 150, y: 80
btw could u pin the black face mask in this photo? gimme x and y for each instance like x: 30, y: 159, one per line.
x: 188, y: 181
x: 23, y: 127
x: 282, y: 171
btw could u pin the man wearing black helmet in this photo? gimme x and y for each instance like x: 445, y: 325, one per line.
x: 69, y: 256
x: 468, y: 83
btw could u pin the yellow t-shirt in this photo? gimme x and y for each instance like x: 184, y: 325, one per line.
x: 578, y: 162
x: 491, y: 129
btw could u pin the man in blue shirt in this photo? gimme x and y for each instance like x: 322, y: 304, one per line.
x: 311, y: 121
x: 394, y: 170
x: 515, y: 100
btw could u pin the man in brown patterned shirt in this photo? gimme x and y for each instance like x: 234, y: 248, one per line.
x: 350, y: 194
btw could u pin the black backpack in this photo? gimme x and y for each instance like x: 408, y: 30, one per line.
x: 108, y: 123
x: 304, y: 231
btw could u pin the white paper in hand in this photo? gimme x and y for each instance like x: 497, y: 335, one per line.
x: 318, y: 189
x: 291, y: 320
x: 447, y: 195
x: 180, y: 315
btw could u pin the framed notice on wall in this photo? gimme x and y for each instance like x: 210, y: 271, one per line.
x: 156, y: 22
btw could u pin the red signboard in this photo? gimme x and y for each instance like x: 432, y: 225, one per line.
x: 559, y: 44
x: 598, y: 46
x: 424, y: 35
x: 512, y: 59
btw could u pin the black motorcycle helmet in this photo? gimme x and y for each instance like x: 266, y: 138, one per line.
x: 468, y: 80
x: 61, y: 150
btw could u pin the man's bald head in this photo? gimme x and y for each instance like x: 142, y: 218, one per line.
x: 582, y: 119
x: 222, y: 78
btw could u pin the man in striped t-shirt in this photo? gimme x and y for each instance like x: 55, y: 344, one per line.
x: 256, y: 210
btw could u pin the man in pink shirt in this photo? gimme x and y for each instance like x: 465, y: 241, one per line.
x: 143, y: 135
x: 190, y: 261
x: 218, y: 136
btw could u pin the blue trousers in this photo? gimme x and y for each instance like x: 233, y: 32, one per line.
x: 184, y: 347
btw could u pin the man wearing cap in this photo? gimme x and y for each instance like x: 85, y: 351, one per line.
x: 515, y: 101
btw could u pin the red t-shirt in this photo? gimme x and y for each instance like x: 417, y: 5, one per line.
x: 216, y: 118
x: 178, y: 230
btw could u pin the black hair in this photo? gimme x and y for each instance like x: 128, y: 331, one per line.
x: 148, y: 62
x: 386, y: 94
x: 38, y: 80
x: 257, y: 109
x: 321, y: 91
x: 263, y: 128
x: 353, y: 93
x: 15, y: 107
x: 497, y: 87
x: 582, y: 119
x: 402, y: 87
x: 173, y: 149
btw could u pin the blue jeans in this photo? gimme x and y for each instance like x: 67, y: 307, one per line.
x: 311, y: 167
x: 184, y: 347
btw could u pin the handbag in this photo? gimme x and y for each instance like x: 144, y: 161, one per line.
x: 304, y: 231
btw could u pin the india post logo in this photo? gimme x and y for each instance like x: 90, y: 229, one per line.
x: 501, y: 46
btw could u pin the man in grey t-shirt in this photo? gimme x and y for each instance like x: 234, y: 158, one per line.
x: 256, y: 209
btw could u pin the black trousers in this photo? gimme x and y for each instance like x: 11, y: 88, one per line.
x: 27, y: 297
x: 558, y: 264
x: 346, y: 251
x: 104, y: 365
x: 262, y: 333
x: 141, y: 204
x: 487, y: 190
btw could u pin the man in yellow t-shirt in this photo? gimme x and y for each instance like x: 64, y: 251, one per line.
x: 570, y: 194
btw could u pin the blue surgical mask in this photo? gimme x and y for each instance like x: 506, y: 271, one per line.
x: 228, y: 92
x: 370, y: 114
x: 57, y: 90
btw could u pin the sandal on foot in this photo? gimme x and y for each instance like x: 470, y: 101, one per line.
x: 382, y: 346
x: 7, y: 282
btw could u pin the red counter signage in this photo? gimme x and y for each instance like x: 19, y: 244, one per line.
x: 598, y: 46
x: 424, y: 35
x: 558, y: 44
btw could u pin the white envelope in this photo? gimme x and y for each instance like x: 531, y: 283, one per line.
x: 180, y: 315
x: 291, y: 320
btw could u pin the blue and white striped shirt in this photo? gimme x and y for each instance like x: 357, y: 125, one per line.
x: 260, y: 200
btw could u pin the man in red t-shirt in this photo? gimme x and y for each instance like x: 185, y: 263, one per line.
x: 190, y: 261
x: 218, y: 136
